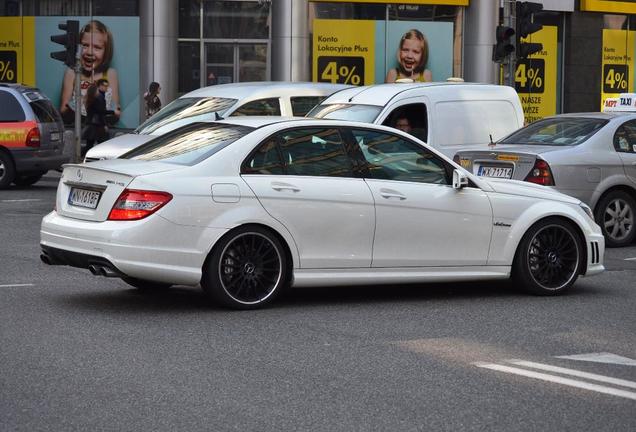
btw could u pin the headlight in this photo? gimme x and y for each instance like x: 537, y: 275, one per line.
x: 587, y: 210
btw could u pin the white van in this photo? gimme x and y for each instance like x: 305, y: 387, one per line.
x: 445, y: 115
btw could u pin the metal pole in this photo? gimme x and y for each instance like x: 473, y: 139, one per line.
x: 78, y: 108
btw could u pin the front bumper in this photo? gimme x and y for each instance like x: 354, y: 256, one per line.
x: 595, y: 253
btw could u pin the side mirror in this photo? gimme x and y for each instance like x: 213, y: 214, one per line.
x: 460, y: 179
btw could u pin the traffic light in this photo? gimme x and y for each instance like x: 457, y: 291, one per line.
x: 504, y: 46
x: 526, y: 26
x: 70, y: 39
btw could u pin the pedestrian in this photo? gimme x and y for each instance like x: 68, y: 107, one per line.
x: 151, y: 97
x: 96, y: 130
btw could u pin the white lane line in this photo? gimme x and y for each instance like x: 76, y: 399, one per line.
x: 576, y: 373
x: 559, y: 380
x: 630, y: 259
x: 21, y: 200
x: 15, y: 285
x: 601, y: 357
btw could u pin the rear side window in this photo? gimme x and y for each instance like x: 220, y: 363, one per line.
x: 265, y: 160
x: 45, y: 111
x: 261, y: 107
x: 625, y: 137
x: 473, y: 122
x: 315, y: 152
x: 10, y: 109
x: 301, y: 105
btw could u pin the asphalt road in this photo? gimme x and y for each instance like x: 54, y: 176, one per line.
x: 79, y: 352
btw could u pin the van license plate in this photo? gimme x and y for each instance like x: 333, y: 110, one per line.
x: 55, y: 136
x: 497, y: 172
x: 84, y: 198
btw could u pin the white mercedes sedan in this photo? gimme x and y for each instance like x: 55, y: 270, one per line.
x: 247, y: 207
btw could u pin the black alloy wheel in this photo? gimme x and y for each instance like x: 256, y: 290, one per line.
x: 615, y: 215
x: 247, y: 269
x: 549, y: 258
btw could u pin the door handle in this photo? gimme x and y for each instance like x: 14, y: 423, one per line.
x: 388, y: 194
x: 285, y: 186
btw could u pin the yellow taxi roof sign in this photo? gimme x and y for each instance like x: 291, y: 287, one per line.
x: 624, y: 102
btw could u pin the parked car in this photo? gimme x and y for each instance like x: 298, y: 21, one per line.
x: 590, y: 156
x: 31, y: 135
x: 249, y: 206
x: 275, y: 98
x: 446, y: 115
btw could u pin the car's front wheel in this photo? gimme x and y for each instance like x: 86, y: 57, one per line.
x: 615, y: 214
x: 246, y: 270
x: 549, y: 257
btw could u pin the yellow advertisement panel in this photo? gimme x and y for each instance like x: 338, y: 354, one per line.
x: 344, y: 53
x: 17, y: 50
x: 617, y: 63
x: 414, y: 2
x: 614, y: 6
x: 536, y: 76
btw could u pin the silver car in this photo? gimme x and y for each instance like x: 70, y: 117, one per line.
x: 267, y: 98
x: 591, y: 156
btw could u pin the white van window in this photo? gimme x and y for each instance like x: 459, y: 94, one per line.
x: 459, y: 123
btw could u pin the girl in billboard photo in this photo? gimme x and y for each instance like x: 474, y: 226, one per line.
x: 97, y: 53
x: 412, y: 55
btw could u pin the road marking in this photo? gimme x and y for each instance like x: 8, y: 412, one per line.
x: 21, y: 200
x: 602, y: 357
x: 559, y: 380
x: 576, y: 373
x: 630, y: 259
x: 15, y: 285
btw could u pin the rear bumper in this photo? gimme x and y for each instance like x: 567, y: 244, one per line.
x: 152, y: 249
x: 34, y: 161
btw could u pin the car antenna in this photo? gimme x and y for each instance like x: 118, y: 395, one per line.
x: 491, y: 144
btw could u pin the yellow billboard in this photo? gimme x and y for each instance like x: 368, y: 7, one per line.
x: 617, y: 63
x: 344, y: 53
x: 17, y: 50
x: 536, y: 76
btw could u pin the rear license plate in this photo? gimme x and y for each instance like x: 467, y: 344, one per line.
x: 55, y: 136
x: 84, y: 198
x: 497, y: 172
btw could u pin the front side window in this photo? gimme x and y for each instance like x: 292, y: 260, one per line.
x: 564, y: 131
x: 390, y: 157
x: 184, y: 111
x: 261, y: 107
x: 625, y: 137
x: 190, y: 144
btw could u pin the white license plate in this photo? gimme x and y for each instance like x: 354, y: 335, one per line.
x: 55, y: 136
x: 84, y: 198
x: 497, y: 172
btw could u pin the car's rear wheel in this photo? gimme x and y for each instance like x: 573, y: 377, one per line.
x: 27, y: 180
x: 615, y: 214
x: 548, y: 258
x: 7, y: 170
x: 146, y: 285
x: 247, y: 269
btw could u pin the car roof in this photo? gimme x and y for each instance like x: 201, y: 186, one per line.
x: 596, y: 115
x: 19, y: 87
x: 381, y: 94
x: 260, y: 121
x: 262, y: 89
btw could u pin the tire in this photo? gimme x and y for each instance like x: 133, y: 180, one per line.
x: 27, y: 180
x: 7, y: 170
x: 145, y: 285
x: 615, y: 213
x: 549, y: 258
x: 246, y: 270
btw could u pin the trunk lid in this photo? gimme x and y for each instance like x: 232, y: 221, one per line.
x: 89, y: 191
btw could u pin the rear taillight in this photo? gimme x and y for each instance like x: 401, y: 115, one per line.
x: 33, y: 138
x: 137, y: 204
x: 540, y: 174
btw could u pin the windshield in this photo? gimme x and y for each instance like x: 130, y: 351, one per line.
x: 190, y: 144
x: 564, y: 131
x: 361, y: 113
x: 184, y: 111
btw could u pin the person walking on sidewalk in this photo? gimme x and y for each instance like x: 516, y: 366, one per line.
x: 96, y: 130
x: 153, y: 103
